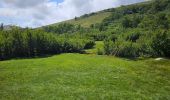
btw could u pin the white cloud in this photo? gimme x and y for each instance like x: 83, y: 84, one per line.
x: 34, y: 13
x: 22, y: 3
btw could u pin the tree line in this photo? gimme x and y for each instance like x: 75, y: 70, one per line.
x: 29, y: 43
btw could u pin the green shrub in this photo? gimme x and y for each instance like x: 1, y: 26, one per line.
x: 125, y: 49
x: 161, y: 43
x: 122, y: 48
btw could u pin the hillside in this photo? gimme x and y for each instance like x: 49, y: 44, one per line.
x: 92, y: 18
x: 124, y: 28
x: 88, y: 19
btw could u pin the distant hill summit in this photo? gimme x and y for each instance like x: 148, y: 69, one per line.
x: 9, y: 27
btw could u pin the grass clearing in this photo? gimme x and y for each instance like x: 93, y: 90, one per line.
x: 99, y: 46
x: 79, y: 76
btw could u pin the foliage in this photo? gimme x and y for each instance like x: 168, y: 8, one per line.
x: 28, y: 43
x: 161, y: 43
x: 137, y: 30
x: 61, y: 28
x: 121, y: 48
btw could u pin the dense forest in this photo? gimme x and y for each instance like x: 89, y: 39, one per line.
x: 138, y: 30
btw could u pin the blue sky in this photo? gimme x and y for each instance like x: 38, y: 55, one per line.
x: 58, y: 1
x: 35, y: 13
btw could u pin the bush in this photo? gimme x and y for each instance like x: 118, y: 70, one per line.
x: 145, y: 49
x: 125, y: 49
x: 117, y: 49
x: 108, y: 47
x: 88, y: 44
x: 161, y: 43
x: 147, y: 45
x: 122, y: 48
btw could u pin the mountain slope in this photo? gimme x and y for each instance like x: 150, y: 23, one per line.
x: 87, y: 19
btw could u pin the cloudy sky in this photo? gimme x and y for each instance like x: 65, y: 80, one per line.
x: 35, y: 13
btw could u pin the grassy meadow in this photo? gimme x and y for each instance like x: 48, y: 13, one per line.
x: 87, y: 77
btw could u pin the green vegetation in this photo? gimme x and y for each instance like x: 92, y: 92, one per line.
x: 128, y: 31
x: 31, y: 43
x: 135, y: 28
x: 135, y: 33
x: 87, y: 19
x: 79, y: 76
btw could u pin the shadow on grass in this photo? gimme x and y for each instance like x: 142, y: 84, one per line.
x: 84, y: 52
x: 135, y: 58
x: 38, y: 56
x: 31, y: 57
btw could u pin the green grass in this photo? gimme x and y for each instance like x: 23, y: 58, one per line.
x: 86, y: 22
x: 99, y: 46
x: 80, y: 76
